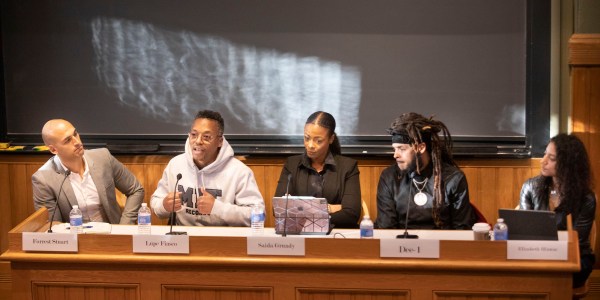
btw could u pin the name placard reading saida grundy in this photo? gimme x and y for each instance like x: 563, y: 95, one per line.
x: 284, y: 246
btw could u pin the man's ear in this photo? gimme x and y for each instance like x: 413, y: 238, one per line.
x: 421, y: 148
x: 52, y: 149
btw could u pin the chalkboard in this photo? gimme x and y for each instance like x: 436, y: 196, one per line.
x: 138, y: 71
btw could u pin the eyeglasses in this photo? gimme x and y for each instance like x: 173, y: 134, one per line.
x: 207, y: 138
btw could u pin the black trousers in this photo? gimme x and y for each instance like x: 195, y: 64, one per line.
x: 587, y: 265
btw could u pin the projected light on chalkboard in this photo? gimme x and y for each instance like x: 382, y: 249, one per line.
x: 165, y: 73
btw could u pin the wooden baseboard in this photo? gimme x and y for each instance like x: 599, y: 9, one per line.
x: 5, y: 281
x: 594, y: 285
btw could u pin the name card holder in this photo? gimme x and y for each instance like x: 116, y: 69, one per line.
x: 50, y: 242
x: 284, y: 246
x: 544, y: 250
x: 177, y: 244
x: 409, y: 248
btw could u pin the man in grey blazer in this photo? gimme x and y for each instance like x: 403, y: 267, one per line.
x: 88, y: 178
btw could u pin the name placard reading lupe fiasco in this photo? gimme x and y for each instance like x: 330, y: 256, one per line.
x: 546, y: 250
x: 52, y: 242
x: 179, y: 244
x: 276, y: 246
x: 409, y: 248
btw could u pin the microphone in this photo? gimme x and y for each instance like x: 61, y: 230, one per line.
x: 287, y: 199
x: 411, y: 175
x: 173, y: 214
x: 67, y: 173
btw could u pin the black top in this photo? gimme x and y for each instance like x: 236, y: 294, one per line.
x: 338, y: 182
x: 396, y: 189
x: 582, y: 220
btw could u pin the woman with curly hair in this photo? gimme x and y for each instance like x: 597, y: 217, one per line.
x: 565, y: 187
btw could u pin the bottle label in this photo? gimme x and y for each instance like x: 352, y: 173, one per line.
x: 366, y: 232
x: 76, y: 221
x: 144, y: 219
x: 257, y: 217
x: 500, y: 235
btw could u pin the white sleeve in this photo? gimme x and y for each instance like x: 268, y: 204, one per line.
x: 237, y: 212
x: 156, y: 202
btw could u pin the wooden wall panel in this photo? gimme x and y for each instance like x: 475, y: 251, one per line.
x: 323, y: 294
x: 584, y: 60
x: 76, y: 291
x: 5, y: 226
x: 5, y: 281
x: 176, y: 292
x: 444, y: 295
x: 493, y: 184
x: 153, y: 174
x: 6, y: 222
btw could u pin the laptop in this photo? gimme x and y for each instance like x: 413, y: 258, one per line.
x: 530, y: 224
x: 305, y: 215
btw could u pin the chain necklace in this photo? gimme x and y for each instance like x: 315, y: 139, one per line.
x: 420, y: 198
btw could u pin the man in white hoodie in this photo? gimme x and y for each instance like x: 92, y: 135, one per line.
x: 215, y: 189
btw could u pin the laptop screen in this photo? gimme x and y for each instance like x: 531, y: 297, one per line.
x: 305, y: 215
x: 530, y: 224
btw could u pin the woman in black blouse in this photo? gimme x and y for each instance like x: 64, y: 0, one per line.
x: 323, y: 172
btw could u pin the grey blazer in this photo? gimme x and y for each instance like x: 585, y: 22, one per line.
x: 107, y: 173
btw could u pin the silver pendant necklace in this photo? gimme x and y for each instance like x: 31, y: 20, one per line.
x: 420, y: 198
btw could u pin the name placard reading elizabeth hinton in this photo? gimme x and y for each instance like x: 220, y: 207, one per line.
x: 549, y: 250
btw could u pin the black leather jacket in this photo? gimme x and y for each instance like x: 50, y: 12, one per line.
x: 395, y: 190
x: 582, y: 220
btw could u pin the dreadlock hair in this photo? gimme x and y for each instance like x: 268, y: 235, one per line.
x: 326, y: 120
x: 413, y: 128
x: 573, y: 174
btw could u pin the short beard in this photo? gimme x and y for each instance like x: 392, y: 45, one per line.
x: 412, y: 167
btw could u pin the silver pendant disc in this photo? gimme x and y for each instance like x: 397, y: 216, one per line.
x: 420, y: 199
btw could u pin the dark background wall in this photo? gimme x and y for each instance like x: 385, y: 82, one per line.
x: 126, y: 69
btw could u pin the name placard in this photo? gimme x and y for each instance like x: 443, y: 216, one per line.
x: 547, y: 250
x: 179, y: 244
x: 53, y: 242
x: 409, y: 248
x: 258, y: 245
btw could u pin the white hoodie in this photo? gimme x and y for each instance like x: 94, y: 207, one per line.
x: 228, y: 179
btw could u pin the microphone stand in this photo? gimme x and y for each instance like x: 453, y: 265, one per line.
x: 406, y: 235
x: 173, y: 214
x: 287, y: 199
x: 67, y: 173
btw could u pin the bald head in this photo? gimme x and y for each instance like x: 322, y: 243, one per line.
x: 53, y: 129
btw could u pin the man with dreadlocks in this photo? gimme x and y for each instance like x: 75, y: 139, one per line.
x: 425, y: 182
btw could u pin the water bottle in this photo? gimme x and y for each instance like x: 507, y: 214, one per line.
x: 500, y: 230
x: 144, y: 220
x: 257, y: 219
x: 76, y: 220
x: 366, y: 228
